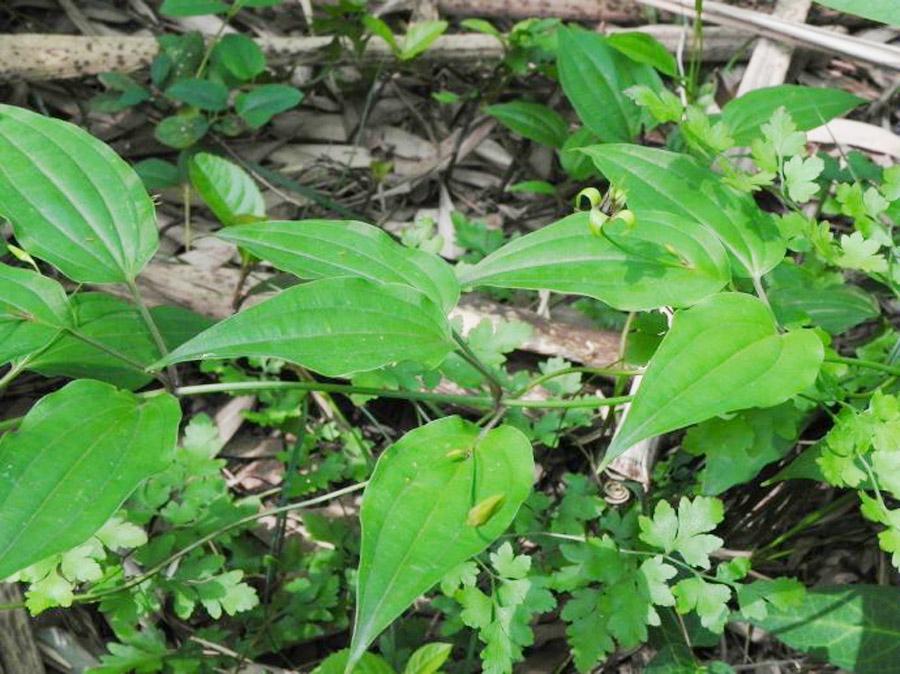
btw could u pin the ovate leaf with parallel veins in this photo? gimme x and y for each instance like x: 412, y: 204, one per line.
x: 720, y: 356
x: 72, y: 201
x: 658, y: 180
x: 416, y: 508
x: 595, y: 76
x: 34, y: 311
x: 661, y: 260
x: 333, y: 326
x: 532, y: 121
x: 854, y: 627
x: 76, y: 457
x: 226, y: 188
x: 809, y: 107
x: 313, y: 249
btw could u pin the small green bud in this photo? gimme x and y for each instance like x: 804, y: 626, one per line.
x: 457, y: 455
x: 482, y: 512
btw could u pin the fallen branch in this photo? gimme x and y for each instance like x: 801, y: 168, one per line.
x: 776, y: 28
x: 42, y: 57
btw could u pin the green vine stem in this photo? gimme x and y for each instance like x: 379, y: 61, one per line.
x: 479, y: 401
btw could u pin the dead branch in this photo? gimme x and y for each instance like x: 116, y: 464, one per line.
x: 783, y: 30
x: 42, y: 57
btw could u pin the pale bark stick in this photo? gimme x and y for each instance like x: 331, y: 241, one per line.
x: 43, y: 57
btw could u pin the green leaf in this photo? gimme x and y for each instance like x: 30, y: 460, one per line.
x: 686, y: 532
x: 800, y: 175
x: 644, y: 48
x: 710, y: 600
x: 241, y: 56
x: 808, y: 106
x: 118, y: 325
x: 145, y: 652
x: 34, y: 311
x: 856, y: 628
x: 860, y: 253
x: 181, y: 131
x: 417, y: 503
x: 720, y: 356
x: 575, y: 163
x: 200, y: 93
x: 104, y: 235
x: 594, y: 77
x: 228, y: 190
x: 885, y: 11
x: 835, y: 309
x: 428, y: 659
x: 370, y: 663
x: 157, y: 174
x: 179, y: 8
x: 655, y: 180
x: 258, y: 106
x: 661, y: 260
x: 739, y: 447
x: 76, y: 457
x: 333, y: 326
x: 532, y: 121
x: 419, y: 37
x: 313, y: 249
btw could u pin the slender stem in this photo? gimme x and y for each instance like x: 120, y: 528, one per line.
x: 598, y: 371
x: 203, y: 540
x: 870, y: 364
x: 761, y: 291
x: 14, y: 371
x: 482, y: 401
x: 473, y: 359
x: 286, y: 484
x: 154, y: 331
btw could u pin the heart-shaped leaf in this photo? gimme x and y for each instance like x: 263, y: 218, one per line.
x: 722, y: 355
x: 658, y: 180
x: 417, y: 513
x: 34, y: 311
x: 72, y: 201
x: 662, y: 260
x: 313, y: 249
x: 76, y: 457
x: 334, y: 326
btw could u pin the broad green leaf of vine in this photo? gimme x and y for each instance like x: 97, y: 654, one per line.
x: 34, y: 311
x: 419, y: 502
x: 333, y: 326
x: 721, y: 355
x: 313, y: 249
x: 654, y: 180
x: 76, y: 457
x: 663, y: 259
x: 105, y: 234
